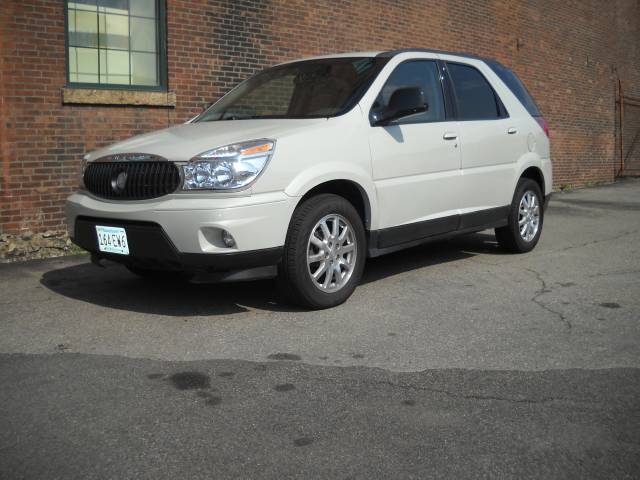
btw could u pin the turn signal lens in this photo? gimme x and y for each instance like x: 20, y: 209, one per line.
x: 257, y: 149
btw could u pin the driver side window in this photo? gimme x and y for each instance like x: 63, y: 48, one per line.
x: 415, y: 73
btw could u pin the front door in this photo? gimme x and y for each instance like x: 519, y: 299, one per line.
x: 416, y: 159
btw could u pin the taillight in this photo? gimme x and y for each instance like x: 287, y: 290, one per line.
x: 543, y: 124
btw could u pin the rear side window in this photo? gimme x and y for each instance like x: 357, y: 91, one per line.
x: 516, y: 86
x: 415, y: 73
x: 475, y: 99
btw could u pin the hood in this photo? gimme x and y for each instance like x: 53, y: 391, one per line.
x: 183, y: 142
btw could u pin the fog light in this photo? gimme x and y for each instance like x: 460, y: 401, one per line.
x: 228, y: 239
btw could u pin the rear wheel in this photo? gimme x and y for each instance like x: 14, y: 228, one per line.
x: 525, y: 219
x: 324, y: 253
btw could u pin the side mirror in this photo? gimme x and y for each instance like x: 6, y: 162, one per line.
x: 403, y: 102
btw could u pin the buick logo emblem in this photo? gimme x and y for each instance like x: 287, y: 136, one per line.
x: 119, y: 182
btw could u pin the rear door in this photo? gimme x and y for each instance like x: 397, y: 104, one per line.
x: 416, y: 159
x: 491, y: 140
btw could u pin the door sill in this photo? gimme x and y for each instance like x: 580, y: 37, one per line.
x: 392, y: 239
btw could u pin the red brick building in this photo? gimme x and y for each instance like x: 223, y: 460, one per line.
x: 78, y: 75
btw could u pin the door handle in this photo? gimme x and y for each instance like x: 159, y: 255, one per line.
x: 450, y: 136
x: 512, y: 130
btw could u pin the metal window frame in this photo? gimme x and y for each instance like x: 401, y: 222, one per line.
x: 161, y: 25
x: 448, y: 106
x: 502, y: 109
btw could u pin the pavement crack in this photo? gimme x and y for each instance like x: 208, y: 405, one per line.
x: 476, y: 396
x: 595, y: 242
x: 459, y: 396
x: 540, y: 292
x: 620, y: 272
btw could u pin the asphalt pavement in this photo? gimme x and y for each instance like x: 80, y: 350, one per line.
x: 452, y: 360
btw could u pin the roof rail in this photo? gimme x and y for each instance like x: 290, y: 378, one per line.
x: 391, y: 53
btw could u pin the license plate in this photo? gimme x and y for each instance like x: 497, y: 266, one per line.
x: 112, y: 240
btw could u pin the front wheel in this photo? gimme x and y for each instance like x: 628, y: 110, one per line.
x: 525, y: 219
x: 324, y: 253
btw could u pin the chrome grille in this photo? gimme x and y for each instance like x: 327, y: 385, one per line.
x: 131, y: 180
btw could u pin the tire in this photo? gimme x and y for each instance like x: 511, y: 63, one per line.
x: 510, y: 237
x: 300, y: 251
x: 164, y: 276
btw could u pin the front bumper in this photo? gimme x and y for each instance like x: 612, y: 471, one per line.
x: 183, y: 232
x: 151, y: 248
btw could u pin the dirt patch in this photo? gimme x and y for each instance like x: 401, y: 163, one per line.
x: 27, y: 246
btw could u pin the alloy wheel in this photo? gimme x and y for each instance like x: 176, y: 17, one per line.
x: 331, y: 253
x: 529, y: 216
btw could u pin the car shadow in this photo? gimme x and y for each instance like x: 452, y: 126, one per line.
x: 115, y: 287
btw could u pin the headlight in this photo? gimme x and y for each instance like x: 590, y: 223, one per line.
x: 228, y: 167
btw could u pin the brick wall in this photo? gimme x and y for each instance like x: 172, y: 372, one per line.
x: 569, y: 53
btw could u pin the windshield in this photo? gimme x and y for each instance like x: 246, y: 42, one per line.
x: 309, y: 89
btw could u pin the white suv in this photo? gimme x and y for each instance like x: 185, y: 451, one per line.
x: 307, y: 168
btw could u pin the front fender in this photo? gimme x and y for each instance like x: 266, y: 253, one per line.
x: 331, y: 171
